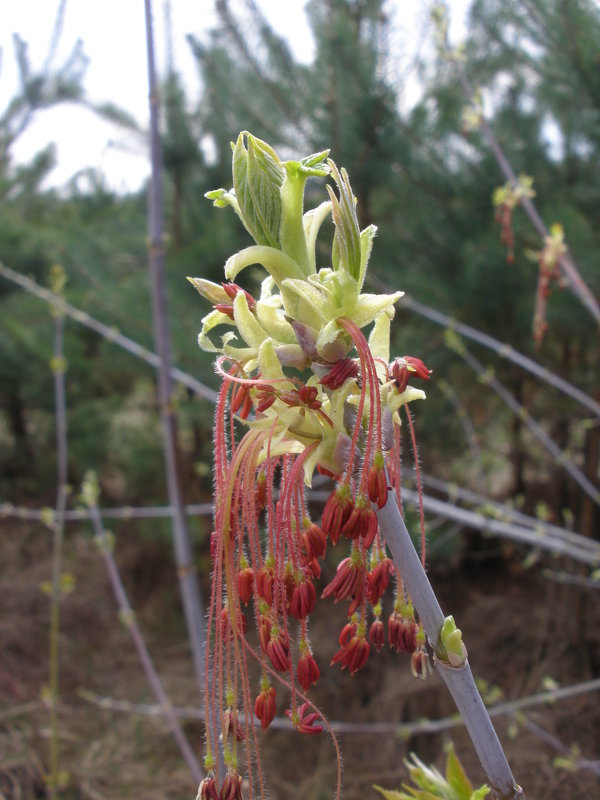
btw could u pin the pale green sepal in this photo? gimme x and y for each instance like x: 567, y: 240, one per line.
x: 313, y: 220
x: 209, y: 322
x: 379, y: 339
x: 307, y: 291
x: 368, y: 306
x: 213, y: 292
x: 251, y: 331
x: 366, y: 245
x: 268, y: 364
x: 277, y: 264
x: 222, y: 199
x: 272, y: 319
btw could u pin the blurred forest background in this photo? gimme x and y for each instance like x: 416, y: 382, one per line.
x: 427, y: 182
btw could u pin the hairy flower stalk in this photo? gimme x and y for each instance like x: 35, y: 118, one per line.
x: 303, y: 389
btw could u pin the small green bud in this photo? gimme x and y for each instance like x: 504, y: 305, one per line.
x: 453, y: 650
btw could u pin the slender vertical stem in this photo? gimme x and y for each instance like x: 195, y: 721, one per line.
x: 58, y: 368
x: 458, y: 680
x: 128, y: 618
x: 188, y: 582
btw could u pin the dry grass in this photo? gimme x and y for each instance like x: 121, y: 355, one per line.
x: 519, y: 629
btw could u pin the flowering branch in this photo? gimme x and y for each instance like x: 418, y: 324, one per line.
x: 304, y: 390
x: 572, y: 276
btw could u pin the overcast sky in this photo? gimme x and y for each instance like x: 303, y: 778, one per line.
x: 113, y: 34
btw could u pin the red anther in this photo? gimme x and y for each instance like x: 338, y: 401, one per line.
x: 402, y: 369
x: 308, y: 397
x: 348, y: 581
x: 264, y: 707
x: 208, y: 789
x: 231, y: 725
x: 314, y: 567
x: 347, y: 633
x: 291, y: 397
x: 232, y: 290
x: 245, y: 584
x: 340, y: 372
x: 376, y: 634
x: 264, y: 584
x: 278, y: 650
x: 353, y: 655
x: 361, y: 522
x: 304, y: 597
x: 232, y: 787
x: 378, y: 580
x: 419, y: 664
x: 238, y: 397
x: 304, y: 722
x: 315, y: 542
x: 377, y: 482
x: 264, y: 632
x: 328, y: 473
x: 308, y: 672
x: 402, y: 633
x: 418, y: 368
x: 336, y: 512
x: 265, y: 395
x: 226, y: 628
x: 246, y: 407
x: 224, y: 308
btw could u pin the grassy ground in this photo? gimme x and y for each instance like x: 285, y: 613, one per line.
x: 520, y: 629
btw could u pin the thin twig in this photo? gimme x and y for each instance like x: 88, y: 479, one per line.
x: 188, y: 580
x: 107, y: 332
x: 128, y: 618
x: 400, y: 729
x: 56, y: 591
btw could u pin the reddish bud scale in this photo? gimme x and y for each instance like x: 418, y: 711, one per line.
x: 376, y: 634
x: 278, y: 650
x: 307, y: 671
x: 353, y: 655
x: 304, y: 597
x: 340, y: 372
x: 315, y: 542
x: 264, y: 707
x: 337, y: 510
x: 245, y: 584
x: 232, y: 787
x: 303, y: 721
